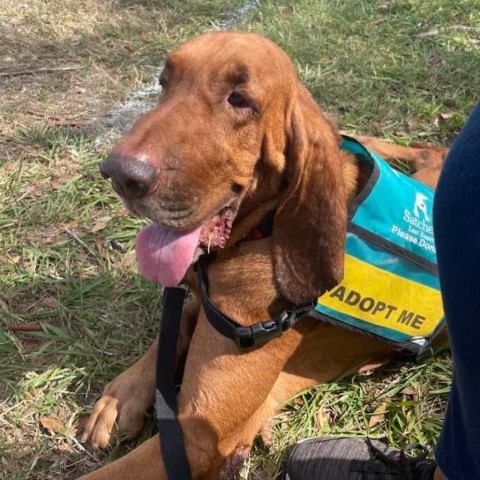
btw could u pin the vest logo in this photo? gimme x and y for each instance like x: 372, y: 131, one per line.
x: 421, y: 206
x: 419, y: 228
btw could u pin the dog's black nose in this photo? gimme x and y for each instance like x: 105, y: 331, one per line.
x: 131, y: 178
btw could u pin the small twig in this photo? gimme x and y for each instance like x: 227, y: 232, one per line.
x: 24, y: 327
x: 64, y: 122
x: 83, y: 449
x: 33, y: 71
x: 453, y: 28
x: 81, y: 242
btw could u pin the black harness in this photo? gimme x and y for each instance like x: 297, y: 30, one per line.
x: 169, y: 428
x: 245, y: 337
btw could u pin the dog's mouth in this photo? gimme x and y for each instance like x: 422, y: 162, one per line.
x: 164, y: 255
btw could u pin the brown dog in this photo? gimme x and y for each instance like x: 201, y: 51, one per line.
x: 236, y: 135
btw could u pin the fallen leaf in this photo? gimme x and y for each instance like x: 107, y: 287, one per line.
x: 100, y: 224
x: 377, y: 127
x: 378, y: 415
x: 72, y: 225
x: 32, y: 191
x: 51, y: 424
x: 15, y: 258
x: 446, y: 116
x: 145, y: 37
x: 49, y: 302
x: 19, y: 453
x: 412, y: 124
x: 55, y: 182
x: 65, y: 448
x: 122, y: 212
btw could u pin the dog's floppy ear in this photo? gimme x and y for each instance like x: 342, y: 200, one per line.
x: 309, y: 228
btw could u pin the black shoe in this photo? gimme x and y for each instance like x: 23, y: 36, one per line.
x: 349, y: 458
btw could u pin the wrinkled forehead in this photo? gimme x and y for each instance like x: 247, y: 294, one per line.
x: 237, y: 58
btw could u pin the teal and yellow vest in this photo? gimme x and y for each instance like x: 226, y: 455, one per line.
x: 391, y: 288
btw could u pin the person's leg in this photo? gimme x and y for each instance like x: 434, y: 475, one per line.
x: 457, y: 236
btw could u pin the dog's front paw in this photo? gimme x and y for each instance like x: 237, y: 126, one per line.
x: 121, y: 409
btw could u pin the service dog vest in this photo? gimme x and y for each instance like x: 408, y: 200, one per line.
x: 391, y: 288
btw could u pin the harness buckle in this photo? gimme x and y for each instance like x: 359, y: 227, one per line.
x: 262, y: 332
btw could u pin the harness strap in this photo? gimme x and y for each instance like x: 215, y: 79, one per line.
x: 253, y: 335
x: 169, y: 428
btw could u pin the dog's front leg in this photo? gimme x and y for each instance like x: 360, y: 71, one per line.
x: 221, y: 404
x: 125, y: 399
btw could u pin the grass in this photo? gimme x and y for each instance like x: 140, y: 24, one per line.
x: 399, y: 69
x: 379, y: 67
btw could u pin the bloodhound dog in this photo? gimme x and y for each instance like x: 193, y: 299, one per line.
x: 235, y: 136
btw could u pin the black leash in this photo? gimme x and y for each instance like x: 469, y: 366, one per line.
x: 169, y: 428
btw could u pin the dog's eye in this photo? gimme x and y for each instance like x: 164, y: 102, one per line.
x: 237, y: 100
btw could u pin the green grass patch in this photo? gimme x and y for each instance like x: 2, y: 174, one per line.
x: 405, y: 69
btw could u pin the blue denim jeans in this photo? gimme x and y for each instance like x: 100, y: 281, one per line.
x: 456, y: 218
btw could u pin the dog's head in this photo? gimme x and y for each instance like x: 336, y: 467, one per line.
x: 234, y: 128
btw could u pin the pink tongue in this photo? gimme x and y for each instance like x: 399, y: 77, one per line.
x: 164, y: 255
